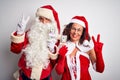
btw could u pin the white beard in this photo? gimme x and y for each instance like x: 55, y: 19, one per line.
x: 37, y: 52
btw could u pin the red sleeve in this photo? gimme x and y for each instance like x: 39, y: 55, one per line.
x: 60, y: 65
x: 17, y: 47
x: 53, y: 62
x: 99, y: 62
x: 61, y: 60
x: 98, y: 50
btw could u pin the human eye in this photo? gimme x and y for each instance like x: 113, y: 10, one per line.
x: 40, y: 18
x: 79, y: 30
x: 73, y: 28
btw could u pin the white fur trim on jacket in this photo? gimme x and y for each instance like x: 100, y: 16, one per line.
x: 54, y: 56
x: 36, y: 72
x: 16, y: 75
x: 94, y: 66
x: 85, y: 47
x: 17, y: 39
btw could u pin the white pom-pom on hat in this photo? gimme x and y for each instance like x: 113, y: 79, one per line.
x: 86, y: 43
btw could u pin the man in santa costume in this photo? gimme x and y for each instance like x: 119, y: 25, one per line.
x: 74, y: 61
x: 38, y: 45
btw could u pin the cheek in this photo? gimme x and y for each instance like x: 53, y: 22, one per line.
x: 80, y: 34
x: 76, y: 34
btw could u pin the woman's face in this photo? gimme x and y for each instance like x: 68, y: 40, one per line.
x: 76, y: 32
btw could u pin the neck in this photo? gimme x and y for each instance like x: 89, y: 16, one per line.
x: 74, y: 52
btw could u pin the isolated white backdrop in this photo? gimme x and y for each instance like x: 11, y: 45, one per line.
x: 103, y: 17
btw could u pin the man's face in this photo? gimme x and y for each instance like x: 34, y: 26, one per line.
x: 44, y: 20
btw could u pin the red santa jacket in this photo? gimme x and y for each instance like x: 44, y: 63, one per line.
x: 66, y: 66
x: 83, y: 71
x: 17, y: 44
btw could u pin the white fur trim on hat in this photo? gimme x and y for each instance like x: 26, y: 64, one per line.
x: 45, y: 13
x: 17, y: 39
x: 78, y: 22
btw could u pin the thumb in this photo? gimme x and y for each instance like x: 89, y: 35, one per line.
x: 93, y: 39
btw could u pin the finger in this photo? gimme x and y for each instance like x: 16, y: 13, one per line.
x: 64, y: 47
x: 22, y: 18
x: 98, y: 37
x: 19, y: 26
x: 27, y: 19
x: 93, y: 39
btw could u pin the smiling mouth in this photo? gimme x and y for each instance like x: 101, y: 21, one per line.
x: 74, y: 35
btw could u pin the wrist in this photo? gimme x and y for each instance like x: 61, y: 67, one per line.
x: 20, y: 32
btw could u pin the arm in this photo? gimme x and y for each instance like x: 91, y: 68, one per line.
x: 18, y: 38
x: 99, y: 64
x: 61, y: 60
x: 18, y: 42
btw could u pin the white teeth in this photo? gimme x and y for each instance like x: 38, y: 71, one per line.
x: 74, y: 35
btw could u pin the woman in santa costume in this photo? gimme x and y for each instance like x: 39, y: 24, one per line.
x: 37, y: 45
x: 80, y: 50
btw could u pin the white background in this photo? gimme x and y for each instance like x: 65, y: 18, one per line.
x: 103, y: 17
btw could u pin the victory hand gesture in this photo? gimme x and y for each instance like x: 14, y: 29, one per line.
x: 98, y: 50
x: 22, y: 25
x: 97, y: 44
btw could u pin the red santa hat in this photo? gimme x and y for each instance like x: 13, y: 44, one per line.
x: 49, y: 12
x: 83, y: 22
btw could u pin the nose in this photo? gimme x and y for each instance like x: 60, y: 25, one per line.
x: 75, y: 31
